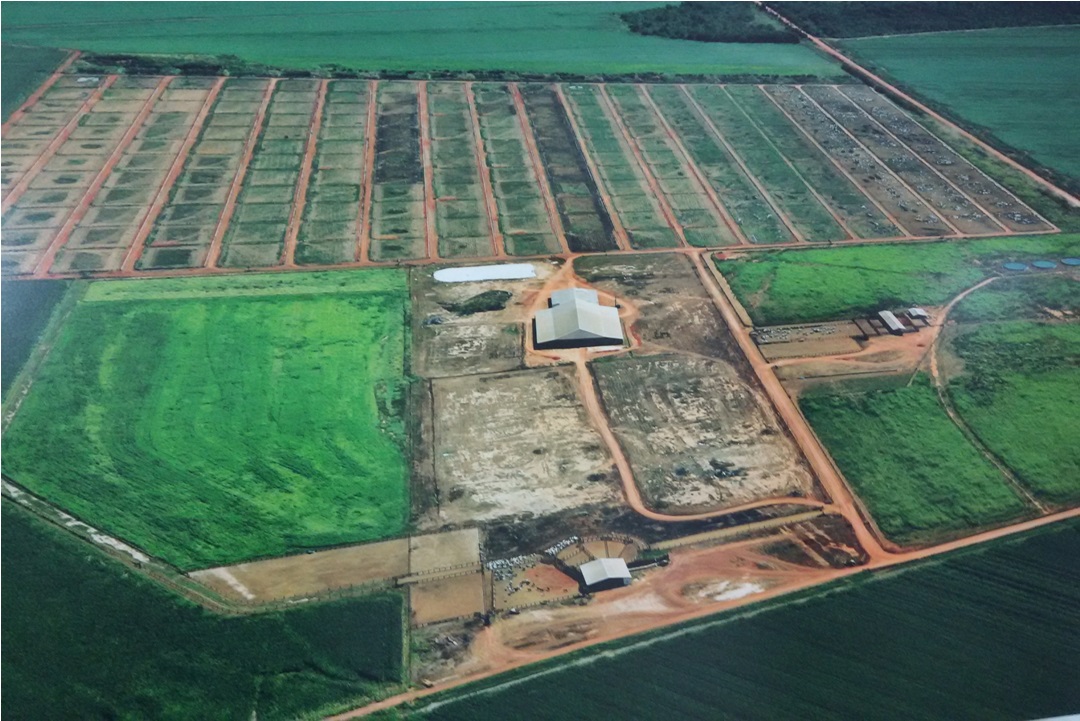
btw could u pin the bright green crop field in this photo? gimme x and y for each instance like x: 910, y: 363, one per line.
x: 918, y: 475
x: 990, y: 634
x: 212, y: 420
x: 549, y: 37
x: 24, y: 70
x: 1018, y: 83
x: 87, y: 639
x: 802, y: 286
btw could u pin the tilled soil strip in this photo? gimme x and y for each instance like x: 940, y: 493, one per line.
x: 431, y: 237
x: 292, y: 232
x: 363, y: 224
x: 825, y: 204
x: 538, y: 168
x: 643, y: 165
x: 689, y: 164
x: 36, y: 95
x: 880, y: 163
x: 45, y: 262
x: 617, y: 229
x: 742, y: 166
x: 50, y: 150
x: 222, y: 225
x: 491, y: 208
x: 138, y: 243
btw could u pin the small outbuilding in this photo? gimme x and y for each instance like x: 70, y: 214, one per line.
x: 576, y: 320
x: 919, y: 314
x: 604, y: 573
x: 892, y: 322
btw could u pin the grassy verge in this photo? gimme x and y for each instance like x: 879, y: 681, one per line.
x: 948, y: 638
x: 86, y: 639
x: 214, y: 420
x: 918, y: 475
x: 800, y: 286
x: 26, y: 310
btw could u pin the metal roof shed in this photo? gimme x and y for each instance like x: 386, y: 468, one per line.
x: 605, y: 571
x: 576, y: 323
x: 891, y: 322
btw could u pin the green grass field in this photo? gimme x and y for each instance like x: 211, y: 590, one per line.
x: 801, y: 286
x: 26, y: 308
x: 1017, y: 83
x: 991, y: 634
x: 25, y: 68
x: 212, y: 420
x: 581, y: 37
x: 1018, y: 386
x: 918, y: 475
x: 88, y: 639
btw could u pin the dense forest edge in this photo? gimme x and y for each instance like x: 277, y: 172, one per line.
x: 709, y: 22
x: 863, y: 19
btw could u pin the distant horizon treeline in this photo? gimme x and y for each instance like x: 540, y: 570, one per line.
x: 709, y: 22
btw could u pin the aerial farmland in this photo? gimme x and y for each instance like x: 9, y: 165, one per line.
x: 394, y: 379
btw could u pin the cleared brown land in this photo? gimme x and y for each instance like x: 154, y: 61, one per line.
x: 437, y: 551
x: 446, y: 598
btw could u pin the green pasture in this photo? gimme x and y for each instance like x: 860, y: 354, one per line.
x: 88, y: 639
x: 25, y: 310
x: 910, y: 464
x: 547, y: 37
x: 801, y: 286
x: 989, y: 634
x: 1018, y: 84
x: 212, y: 420
x: 25, y: 68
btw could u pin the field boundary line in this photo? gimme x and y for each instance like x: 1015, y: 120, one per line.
x: 689, y: 164
x: 225, y: 218
x: 138, y: 243
x: 77, y: 213
x: 881, y: 163
x: 35, y: 96
x: 765, y: 194
x: 921, y: 159
x: 538, y: 167
x: 491, y: 208
x: 845, y: 61
x: 431, y: 236
x: 836, y: 163
x: 621, y: 240
x: 761, y: 131
x: 58, y: 140
x: 296, y: 213
x: 635, y: 150
x: 363, y: 241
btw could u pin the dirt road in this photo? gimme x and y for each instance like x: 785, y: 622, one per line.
x: 491, y: 208
x: 363, y: 225
x: 538, y: 168
x: 431, y: 237
x: 296, y: 213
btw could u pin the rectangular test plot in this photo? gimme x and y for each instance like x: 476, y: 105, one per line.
x: 330, y: 230
x: 397, y: 210
x: 523, y: 219
x: 460, y: 215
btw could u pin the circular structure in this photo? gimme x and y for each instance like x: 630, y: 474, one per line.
x: 1071, y: 261
x: 1015, y: 266
x: 1044, y: 264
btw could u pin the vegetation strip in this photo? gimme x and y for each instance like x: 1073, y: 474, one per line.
x: 363, y: 244
x: 161, y: 197
x: 491, y: 209
x: 431, y: 236
x: 538, y: 168
x: 296, y: 214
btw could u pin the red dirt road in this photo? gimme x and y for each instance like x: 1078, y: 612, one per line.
x: 296, y: 214
x: 617, y: 229
x: 214, y: 253
x: 431, y: 237
x: 896, y: 92
x: 538, y: 168
x: 138, y: 243
x: 42, y: 268
x: 643, y: 165
x: 363, y: 242
x: 20, y: 187
x: 36, y: 95
x: 491, y: 208
x: 690, y: 165
x: 766, y: 196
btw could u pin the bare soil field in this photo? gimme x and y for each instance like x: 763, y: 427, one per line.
x: 438, y: 551
x: 446, y: 598
x: 698, y: 436
x: 515, y: 445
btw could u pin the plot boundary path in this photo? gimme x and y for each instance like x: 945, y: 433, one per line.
x: 296, y: 213
x: 36, y: 95
x: 222, y: 225
x: 363, y: 240
x: 695, y: 171
x: 59, y: 139
x: 73, y: 218
x: 491, y: 207
x: 146, y: 225
x: 431, y: 235
x: 538, y: 168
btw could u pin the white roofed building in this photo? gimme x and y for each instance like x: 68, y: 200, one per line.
x: 605, y: 573
x: 575, y: 319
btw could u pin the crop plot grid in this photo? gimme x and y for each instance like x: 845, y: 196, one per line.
x: 120, y: 175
